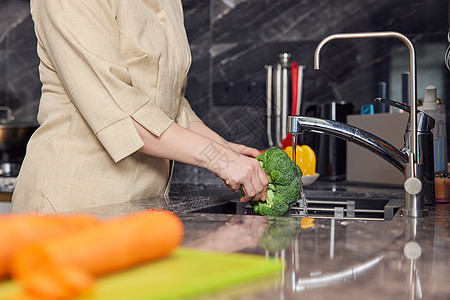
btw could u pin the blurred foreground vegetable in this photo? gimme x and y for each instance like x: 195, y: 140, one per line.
x: 65, y: 267
x: 285, y: 182
x: 20, y: 230
x: 305, y: 159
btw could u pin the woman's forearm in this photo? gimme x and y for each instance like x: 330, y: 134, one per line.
x: 204, y: 130
x: 179, y: 144
x: 186, y: 146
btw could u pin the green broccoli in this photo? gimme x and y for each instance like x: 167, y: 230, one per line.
x: 285, y: 183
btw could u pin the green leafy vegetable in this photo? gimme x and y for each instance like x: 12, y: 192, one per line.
x: 285, y: 183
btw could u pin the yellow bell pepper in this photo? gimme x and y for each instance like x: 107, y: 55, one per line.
x: 305, y: 159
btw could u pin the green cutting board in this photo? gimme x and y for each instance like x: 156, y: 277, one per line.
x: 187, y: 273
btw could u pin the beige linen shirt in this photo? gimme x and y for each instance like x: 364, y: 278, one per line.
x: 103, y: 63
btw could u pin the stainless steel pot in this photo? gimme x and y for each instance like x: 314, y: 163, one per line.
x: 14, y: 137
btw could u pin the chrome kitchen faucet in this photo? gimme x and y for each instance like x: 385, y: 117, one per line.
x: 415, y: 160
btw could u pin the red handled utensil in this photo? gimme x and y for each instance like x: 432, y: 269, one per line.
x: 287, y: 141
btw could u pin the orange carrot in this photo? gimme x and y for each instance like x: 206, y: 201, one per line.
x: 64, y: 267
x: 19, y: 230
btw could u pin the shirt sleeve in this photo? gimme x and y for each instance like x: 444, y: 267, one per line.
x: 81, y: 39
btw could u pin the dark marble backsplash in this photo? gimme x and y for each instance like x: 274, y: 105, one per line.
x: 19, y: 78
x: 233, y: 40
x: 245, y: 35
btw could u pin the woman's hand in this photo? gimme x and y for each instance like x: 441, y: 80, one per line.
x: 250, y: 153
x: 241, y: 171
x: 244, y: 150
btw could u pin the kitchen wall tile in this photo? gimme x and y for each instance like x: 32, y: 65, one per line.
x: 12, y: 14
x: 197, y: 21
x: 250, y: 43
x: 246, y: 39
x: 22, y: 35
x: 23, y: 85
x: 19, y: 79
x: 246, y: 35
x: 199, y: 80
x: 3, y: 56
x: 286, y: 20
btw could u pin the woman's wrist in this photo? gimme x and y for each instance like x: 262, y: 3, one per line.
x: 217, y: 158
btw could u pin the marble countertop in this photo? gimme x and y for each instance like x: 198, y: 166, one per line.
x: 194, y: 197
x: 404, y: 258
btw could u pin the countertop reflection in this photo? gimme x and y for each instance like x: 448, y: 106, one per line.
x: 404, y: 258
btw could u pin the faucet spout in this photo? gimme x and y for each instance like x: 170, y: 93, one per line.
x: 413, y: 74
x: 298, y: 124
x: 417, y: 187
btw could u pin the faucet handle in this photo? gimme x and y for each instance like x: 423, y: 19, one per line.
x: 397, y: 104
x: 413, y: 186
x: 424, y: 122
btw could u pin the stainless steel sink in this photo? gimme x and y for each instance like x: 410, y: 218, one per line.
x: 338, y: 200
x: 341, y: 207
x: 346, y: 208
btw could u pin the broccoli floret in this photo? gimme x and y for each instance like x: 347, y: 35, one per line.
x: 285, y: 183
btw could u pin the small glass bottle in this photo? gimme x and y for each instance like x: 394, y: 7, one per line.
x: 442, y: 187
